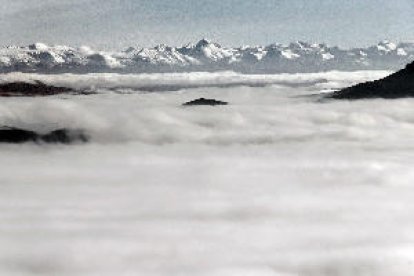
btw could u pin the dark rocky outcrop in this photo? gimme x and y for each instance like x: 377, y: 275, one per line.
x: 21, y: 89
x: 397, y: 85
x: 64, y: 136
x: 203, y: 101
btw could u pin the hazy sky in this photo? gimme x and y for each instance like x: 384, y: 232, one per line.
x: 121, y: 23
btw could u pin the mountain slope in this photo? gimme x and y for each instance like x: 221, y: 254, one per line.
x: 397, y: 85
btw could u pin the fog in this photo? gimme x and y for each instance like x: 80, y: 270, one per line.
x: 276, y: 183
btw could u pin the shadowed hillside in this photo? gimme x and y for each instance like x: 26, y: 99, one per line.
x: 397, y: 85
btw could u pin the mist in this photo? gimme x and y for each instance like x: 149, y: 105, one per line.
x: 276, y: 183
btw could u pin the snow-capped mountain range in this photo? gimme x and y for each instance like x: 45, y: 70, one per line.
x: 206, y: 56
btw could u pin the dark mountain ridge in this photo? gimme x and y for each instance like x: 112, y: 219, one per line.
x: 397, y: 85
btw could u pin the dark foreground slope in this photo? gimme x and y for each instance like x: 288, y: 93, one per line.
x: 37, y: 88
x: 64, y: 136
x: 397, y: 85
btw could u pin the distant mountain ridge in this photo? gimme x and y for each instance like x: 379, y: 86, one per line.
x: 297, y: 57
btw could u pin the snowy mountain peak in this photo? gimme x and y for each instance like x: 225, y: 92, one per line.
x: 387, y: 46
x: 39, y: 46
x: 207, y: 56
x: 203, y: 43
x: 300, y: 45
x: 162, y: 47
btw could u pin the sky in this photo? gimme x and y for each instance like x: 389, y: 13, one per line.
x: 114, y: 24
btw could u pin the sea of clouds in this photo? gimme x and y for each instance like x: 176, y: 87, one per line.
x: 277, y: 183
x: 263, y: 109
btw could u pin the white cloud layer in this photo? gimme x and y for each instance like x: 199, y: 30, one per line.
x: 275, y: 184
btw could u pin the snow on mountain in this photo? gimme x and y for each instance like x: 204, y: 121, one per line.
x: 206, y: 56
x: 386, y: 46
x: 206, y: 51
